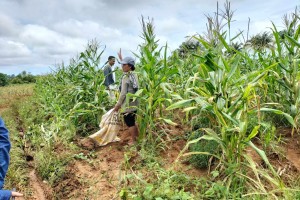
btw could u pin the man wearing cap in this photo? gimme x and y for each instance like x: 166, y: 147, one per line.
x: 110, y: 77
x: 129, y: 84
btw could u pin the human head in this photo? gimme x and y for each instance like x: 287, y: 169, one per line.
x: 111, y: 60
x: 128, y: 61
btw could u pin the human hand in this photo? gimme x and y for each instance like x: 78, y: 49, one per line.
x: 16, y: 194
x: 120, y: 55
x: 117, y: 108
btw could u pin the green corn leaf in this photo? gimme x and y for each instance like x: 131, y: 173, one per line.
x: 230, y: 118
x: 224, y: 43
x: 168, y: 121
x: 279, y: 112
x: 293, y: 41
x: 237, y: 35
x: 180, y: 104
x: 253, y: 133
x: 247, y: 91
x: 190, y: 108
x: 263, y: 156
x: 296, y: 36
x: 277, y: 40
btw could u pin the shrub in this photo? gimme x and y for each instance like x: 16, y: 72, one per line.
x: 3, y: 79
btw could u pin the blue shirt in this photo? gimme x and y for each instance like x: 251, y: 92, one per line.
x: 5, y: 194
x: 4, y: 159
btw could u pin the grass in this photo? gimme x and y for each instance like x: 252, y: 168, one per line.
x: 11, y: 98
x: 16, y: 108
x: 9, y: 94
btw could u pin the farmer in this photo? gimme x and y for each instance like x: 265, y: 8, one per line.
x: 4, y: 162
x: 110, y: 76
x: 128, y: 84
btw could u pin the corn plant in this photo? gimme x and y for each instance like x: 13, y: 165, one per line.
x: 287, y: 74
x: 76, y: 92
x: 153, y: 75
x: 230, y: 99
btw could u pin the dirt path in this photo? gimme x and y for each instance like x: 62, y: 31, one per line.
x: 38, y: 191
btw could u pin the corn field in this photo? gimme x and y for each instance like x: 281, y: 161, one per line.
x: 233, y: 94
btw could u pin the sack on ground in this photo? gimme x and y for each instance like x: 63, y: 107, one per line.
x: 109, y: 128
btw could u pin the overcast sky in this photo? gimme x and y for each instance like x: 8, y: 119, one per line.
x: 35, y: 35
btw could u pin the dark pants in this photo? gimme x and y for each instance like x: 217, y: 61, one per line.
x: 129, y: 118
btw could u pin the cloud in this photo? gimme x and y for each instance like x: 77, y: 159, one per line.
x: 35, y: 33
x: 43, y: 40
x: 8, y: 27
x: 12, y: 49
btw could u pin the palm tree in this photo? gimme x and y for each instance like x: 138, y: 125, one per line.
x: 191, y: 45
x: 261, y: 41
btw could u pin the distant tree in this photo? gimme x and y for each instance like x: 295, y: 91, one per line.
x: 283, y: 33
x: 188, y: 47
x: 235, y: 46
x: 261, y: 41
x: 3, y: 79
x: 23, y: 77
x: 16, y: 80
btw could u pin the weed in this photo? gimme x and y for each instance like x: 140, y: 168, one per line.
x: 201, y: 160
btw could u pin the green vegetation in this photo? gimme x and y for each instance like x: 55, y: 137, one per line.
x: 21, y: 78
x: 13, y: 98
x: 230, y: 97
x: 209, y: 146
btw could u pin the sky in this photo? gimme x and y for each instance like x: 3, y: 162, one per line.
x: 37, y: 35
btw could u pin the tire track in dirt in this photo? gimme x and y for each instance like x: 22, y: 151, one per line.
x: 38, y: 192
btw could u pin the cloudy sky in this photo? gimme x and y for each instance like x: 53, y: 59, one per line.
x: 35, y: 35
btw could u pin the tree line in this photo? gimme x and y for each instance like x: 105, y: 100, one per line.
x: 21, y: 78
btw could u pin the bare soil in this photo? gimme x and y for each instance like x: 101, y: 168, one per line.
x: 36, y: 186
x: 100, y: 177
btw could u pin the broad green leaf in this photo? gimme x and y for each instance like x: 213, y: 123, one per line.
x: 293, y: 41
x: 279, y: 112
x: 190, y: 108
x: 168, y: 121
x: 277, y: 39
x: 224, y: 43
x: 253, y: 133
x: 247, y: 91
x: 263, y: 156
x: 180, y: 104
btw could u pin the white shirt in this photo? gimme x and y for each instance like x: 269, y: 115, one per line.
x: 113, y: 69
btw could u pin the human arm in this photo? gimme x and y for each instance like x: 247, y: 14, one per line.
x: 120, y: 55
x: 16, y: 194
x: 122, y: 97
x: 4, y: 151
x: 6, y: 194
x: 4, y: 158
